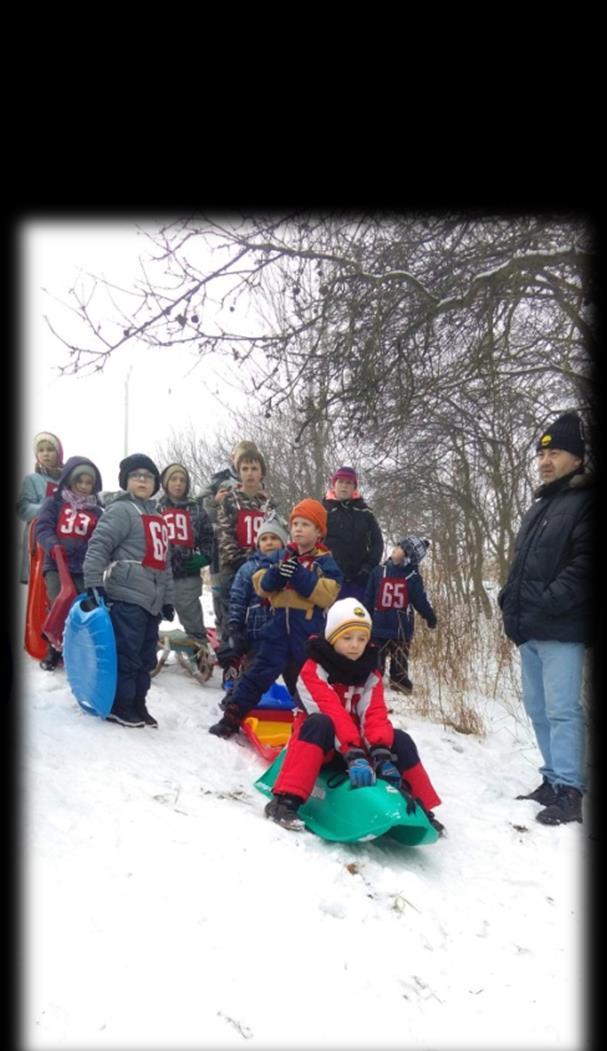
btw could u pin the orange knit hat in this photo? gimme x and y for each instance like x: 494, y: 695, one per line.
x: 313, y: 511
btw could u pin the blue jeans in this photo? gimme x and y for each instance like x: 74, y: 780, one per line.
x: 552, y: 685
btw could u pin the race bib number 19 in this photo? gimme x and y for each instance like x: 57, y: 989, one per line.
x: 247, y: 527
x: 156, y: 541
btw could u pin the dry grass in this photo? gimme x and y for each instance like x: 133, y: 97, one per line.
x: 458, y: 665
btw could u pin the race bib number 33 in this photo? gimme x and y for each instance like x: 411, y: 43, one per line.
x: 75, y: 523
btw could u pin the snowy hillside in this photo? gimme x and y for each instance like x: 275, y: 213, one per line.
x: 162, y: 910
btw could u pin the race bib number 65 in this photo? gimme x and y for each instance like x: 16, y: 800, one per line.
x: 393, y: 594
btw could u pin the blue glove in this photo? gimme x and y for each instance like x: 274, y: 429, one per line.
x: 385, y: 767
x: 360, y: 771
x: 168, y: 612
x: 95, y: 596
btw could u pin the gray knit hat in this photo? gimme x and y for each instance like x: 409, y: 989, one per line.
x: 415, y: 548
x: 272, y: 524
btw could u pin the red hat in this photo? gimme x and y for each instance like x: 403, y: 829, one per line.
x: 313, y: 511
x: 348, y: 474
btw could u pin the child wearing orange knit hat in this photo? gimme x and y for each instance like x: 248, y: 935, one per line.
x: 300, y: 584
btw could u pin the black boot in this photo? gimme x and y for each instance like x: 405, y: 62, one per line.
x: 566, y: 807
x: 544, y: 794
x: 142, y: 713
x: 124, y: 714
x: 283, y: 810
x: 50, y: 662
x: 230, y: 722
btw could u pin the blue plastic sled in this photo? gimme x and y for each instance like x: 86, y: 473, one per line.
x: 277, y: 696
x: 89, y: 656
x: 343, y: 814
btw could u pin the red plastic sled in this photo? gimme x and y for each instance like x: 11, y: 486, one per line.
x: 53, y: 626
x: 37, y: 604
x: 268, y: 730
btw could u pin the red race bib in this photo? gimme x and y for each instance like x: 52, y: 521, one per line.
x: 247, y: 526
x: 156, y: 534
x: 179, y: 523
x: 393, y: 594
x: 75, y: 523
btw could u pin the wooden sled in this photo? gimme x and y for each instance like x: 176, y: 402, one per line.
x: 197, y: 659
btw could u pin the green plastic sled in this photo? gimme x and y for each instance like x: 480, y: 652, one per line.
x: 344, y: 814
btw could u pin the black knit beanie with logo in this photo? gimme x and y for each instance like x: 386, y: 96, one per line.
x: 565, y: 433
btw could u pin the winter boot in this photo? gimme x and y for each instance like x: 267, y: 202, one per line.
x: 544, y: 794
x: 566, y: 807
x: 124, y: 714
x: 283, y: 810
x: 230, y: 722
x: 50, y: 662
x: 142, y: 713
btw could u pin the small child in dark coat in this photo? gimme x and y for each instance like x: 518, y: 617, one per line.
x: 67, y: 520
x: 393, y: 592
x: 249, y: 613
x: 344, y: 712
x: 300, y: 582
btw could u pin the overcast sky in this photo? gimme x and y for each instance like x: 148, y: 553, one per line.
x: 88, y: 413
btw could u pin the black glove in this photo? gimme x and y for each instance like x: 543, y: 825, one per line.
x: 432, y: 622
x: 238, y: 642
x: 287, y: 568
x: 95, y: 596
x: 385, y: 766
x: 168, y: 612
x: 360, y: 771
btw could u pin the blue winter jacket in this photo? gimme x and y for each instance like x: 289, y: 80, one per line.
x: 299, y: 607
x: 49, y: 531
x: 391, y: 606
x: 249, y: 613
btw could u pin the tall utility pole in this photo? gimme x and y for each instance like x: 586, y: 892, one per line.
x: 126, y: 410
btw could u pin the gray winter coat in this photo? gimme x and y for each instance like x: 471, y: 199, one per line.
x: 36, y: 487
x: 115, y: 552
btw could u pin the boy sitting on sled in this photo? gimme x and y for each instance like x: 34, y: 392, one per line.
x: 341, y: 692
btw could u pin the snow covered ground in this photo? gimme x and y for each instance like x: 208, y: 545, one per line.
x: 162, y: 910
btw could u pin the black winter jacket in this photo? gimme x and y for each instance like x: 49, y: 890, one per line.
x: 549, y: 590
x: 353, y: 537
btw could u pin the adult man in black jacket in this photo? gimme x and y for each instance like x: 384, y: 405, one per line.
x: 547, y: 609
